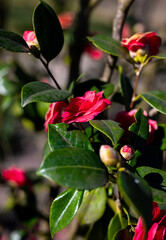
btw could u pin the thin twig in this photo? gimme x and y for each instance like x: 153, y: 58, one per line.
x: 49, y: 72
x: 135, y: 87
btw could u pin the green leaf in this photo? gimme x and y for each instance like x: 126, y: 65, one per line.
x: 46, y: 150
x: 156, y: 99
x: 43, y: 92
x: 125, y: 89
x: 110, y: 128
x: 109, y: 45
x: 12, y: 42
x: 163, y: 138
x: 59, y: 137
x: 140, y: 129
x: 93, y: 206
x: 63, y: 209
x: 156, y: 178
x: 137, y: 195
x: 74, y: 168
x: 116, y: 224
x: 48, y: 31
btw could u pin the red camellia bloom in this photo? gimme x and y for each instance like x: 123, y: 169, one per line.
x: 30, y: 38
x: 15, y: 176
x: 66, y: 19
x: 85, y: 108
x: 126, y: 119
x: 54, y: 114
x: 158, y: 228
x: 142, y: 45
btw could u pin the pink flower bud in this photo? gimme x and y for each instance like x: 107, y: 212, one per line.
x: 127, y: 152
x: 30, y: 38
x: 108, y: 155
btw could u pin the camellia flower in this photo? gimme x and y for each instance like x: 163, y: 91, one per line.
x: 126, y: 119
x: 66, y: 19
x: 85, y: 108
x: 54, y: 114
x: 30, y: 38
x: 158, y: 228
x: 142, y: 45
x: 15, y: 176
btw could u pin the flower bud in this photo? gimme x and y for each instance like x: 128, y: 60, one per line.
x: 127, y: 152
x: 108, y: 155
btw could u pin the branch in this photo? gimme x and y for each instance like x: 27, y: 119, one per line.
x: 121, y: 14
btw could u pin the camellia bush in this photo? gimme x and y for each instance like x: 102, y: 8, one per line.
x: 110, y: 170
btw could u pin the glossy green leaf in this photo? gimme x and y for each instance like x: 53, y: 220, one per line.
x: 75, y: 168
x: 156, y: 178
x: 59, y: 137
x: 93, y: 206
x: 137, y: 195
x: 116, y: 224
x: 43, y: 92
x: 156, y: 99
x: 125, y: 88
x: 64, y: 209
x: 12, y: 42
x: 48, y: 31
x: 110, y: 128
x: 109, y: 45
x: 46, y: 150
x: 163, y: 127
x: 139, y: 130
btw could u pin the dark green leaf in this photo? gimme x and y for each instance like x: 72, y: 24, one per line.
x: 156, y: 99
x: 116, y: 224
x: 93, y: 206
x: 48, y: 31
x: 156, y: 178
x: 12, y: 42
x: 110, y: 128
x: 43, y: 92
x: 140, y: 129
x: 109, y: 45
x: 46, y: 150
x: 74, y: 168
x: 137, y: 195
x: 63, y: 209
x: 163, y: 138
x: 59, y: 137
x: 125, y: 88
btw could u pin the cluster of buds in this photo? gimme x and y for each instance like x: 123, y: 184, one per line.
x: 111, y: 158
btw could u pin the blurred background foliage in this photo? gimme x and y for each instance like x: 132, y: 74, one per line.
x: 22, y: 135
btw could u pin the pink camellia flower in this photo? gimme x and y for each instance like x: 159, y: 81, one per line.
x: 158, y: 228
x: 30, y: 38
x: 85, y: 108
x: 93, y: 52
x: 15, y: 176
x: 66, y: 19
x: 126, y: 119
x: 142, y: 45
x: 54, y: 114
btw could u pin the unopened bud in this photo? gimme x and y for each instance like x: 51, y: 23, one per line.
x: 127, y: 152
x: 108, y: 155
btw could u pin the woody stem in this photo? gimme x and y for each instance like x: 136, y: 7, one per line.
x: 49, y: 72
x: 135, y: 87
